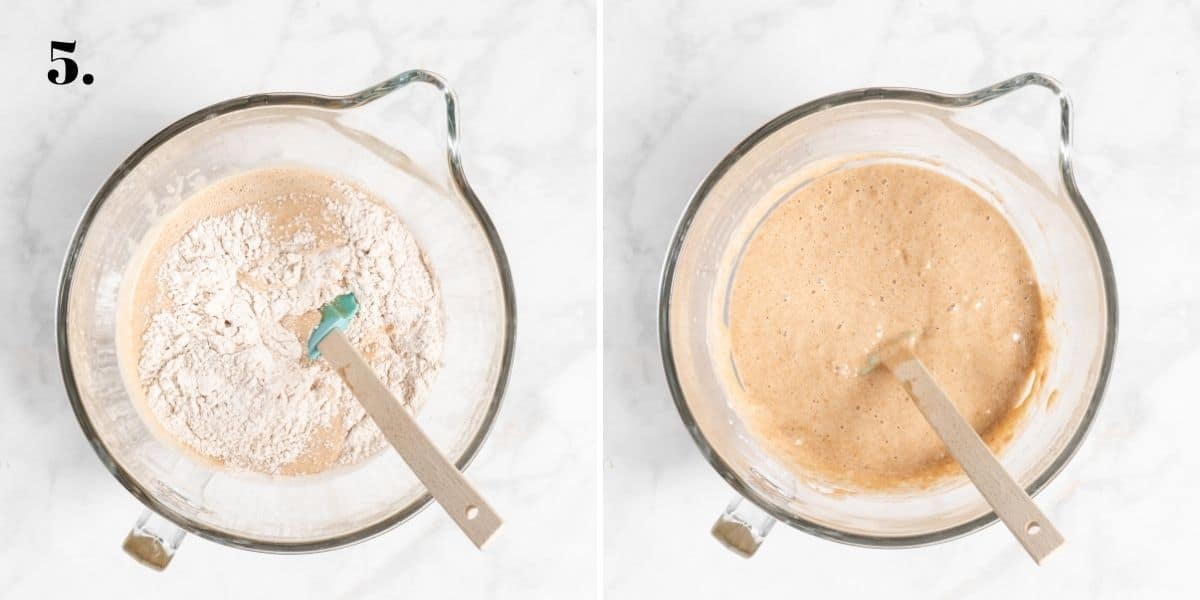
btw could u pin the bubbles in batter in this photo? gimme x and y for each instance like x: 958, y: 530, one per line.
x: 857, y: 256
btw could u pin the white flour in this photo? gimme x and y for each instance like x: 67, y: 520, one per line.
x: 223, y: 372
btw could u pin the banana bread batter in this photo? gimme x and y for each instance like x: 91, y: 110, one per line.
x: 853, y: 258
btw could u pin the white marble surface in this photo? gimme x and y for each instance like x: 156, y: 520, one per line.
x: 525, y: 75
x: 683, y: 85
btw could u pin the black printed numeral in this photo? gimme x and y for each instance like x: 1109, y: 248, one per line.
x: 70, y: 69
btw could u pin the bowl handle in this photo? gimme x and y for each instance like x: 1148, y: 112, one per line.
x: 987, y: 94
x: 453, y: 158
x: 153, y: 540
x: 742, y: 527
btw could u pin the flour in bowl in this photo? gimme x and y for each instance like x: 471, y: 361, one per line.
x: 228, y: 289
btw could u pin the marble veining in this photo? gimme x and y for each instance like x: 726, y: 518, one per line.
x: 528, y: 144
x: 684, y: 82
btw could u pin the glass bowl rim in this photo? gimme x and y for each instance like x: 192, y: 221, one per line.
x: 921, y: 96
x: 293, y: 99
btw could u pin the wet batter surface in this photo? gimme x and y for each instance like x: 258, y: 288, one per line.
x: 857, y: 257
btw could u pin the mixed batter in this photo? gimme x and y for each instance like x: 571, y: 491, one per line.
x: 216, y: 309
x: 859, y: 256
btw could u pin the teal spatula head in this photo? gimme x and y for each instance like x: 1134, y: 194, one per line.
x: 335, y: 314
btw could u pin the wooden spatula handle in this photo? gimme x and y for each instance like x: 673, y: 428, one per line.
x: 445, y: 482
x: 1014, y: 507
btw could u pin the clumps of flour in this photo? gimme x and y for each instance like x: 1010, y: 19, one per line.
x: 222, y: 364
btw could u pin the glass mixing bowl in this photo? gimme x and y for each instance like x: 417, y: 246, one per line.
x: 334, y: 135
x: 919, y: 127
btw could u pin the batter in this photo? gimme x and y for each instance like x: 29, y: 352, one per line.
x: 217, y: 306
x: 859, y: 256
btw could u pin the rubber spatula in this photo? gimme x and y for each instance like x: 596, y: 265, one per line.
x: 1014, y: 507
x: 444, y: 481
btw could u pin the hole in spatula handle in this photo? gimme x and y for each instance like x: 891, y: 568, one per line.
x: 1033, y: 528
x: 472, y: 512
